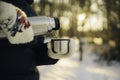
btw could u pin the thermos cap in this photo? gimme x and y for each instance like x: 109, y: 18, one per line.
x: 57, y: 24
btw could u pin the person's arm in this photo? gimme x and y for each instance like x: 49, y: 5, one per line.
x: 38, y: 46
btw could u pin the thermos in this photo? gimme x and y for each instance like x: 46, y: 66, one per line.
x: 43, y: 24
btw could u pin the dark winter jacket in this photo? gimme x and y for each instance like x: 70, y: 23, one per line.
x: 18, y: 62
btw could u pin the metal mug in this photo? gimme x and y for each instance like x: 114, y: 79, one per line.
x: 60, y: 48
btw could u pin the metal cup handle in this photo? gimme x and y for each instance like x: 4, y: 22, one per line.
x: 59, y: 54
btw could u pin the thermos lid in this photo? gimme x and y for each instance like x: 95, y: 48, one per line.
x: 57, y: 24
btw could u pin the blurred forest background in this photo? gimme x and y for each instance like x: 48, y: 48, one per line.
x: 94, y: 21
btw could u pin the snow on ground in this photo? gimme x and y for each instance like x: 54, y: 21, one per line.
x: 73, y: 69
